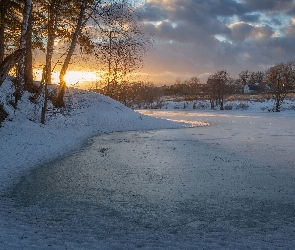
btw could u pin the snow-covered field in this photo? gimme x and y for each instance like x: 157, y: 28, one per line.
x: 239, y: 172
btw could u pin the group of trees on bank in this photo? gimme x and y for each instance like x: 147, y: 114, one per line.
x: 61, y: 29
x: 133, y: 94
x: 277, y: 81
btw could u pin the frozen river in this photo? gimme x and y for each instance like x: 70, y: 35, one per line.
x: 230, y: 185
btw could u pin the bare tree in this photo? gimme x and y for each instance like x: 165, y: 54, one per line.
x: 245, y: 76
x: 257, y: 77
x: 122, y: 45
x: 7, y: 8
x: 20, y: 80
x: 53, y: 18
x: 28, y: 59
x: 23, y: 38
x: 281, y: 78
x: 3, y: 11
x: 217, y: 83
x: 10, y: 19
x: 16, y: 31
x: 194, y: 85
x: 8, y: 63
x: 82, y: 19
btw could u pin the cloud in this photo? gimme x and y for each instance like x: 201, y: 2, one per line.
x: 290, y: 29
x: 268, y: 5
x: 197, y: 12
x: 249, y: 18
x: 242, y: 31
x: 199, y: 37
x: 153, y: 13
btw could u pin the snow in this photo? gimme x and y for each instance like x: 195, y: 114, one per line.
x: 253, y: 104
x: 26, y: 143
x: 254, y: 147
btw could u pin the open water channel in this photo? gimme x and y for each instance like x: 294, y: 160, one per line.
x: 196, y: 188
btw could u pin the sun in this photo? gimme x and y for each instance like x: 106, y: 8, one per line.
x: 74, y: 77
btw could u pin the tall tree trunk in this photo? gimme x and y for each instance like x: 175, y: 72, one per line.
x: 277, y: 103
x: 28, y: 70
x: 9, y: 62
x: 23, y: 40
x: 59, y: 100
x: 2, y: 29
x: 53, y: 14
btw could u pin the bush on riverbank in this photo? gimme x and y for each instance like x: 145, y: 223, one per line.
x: 3, y: 114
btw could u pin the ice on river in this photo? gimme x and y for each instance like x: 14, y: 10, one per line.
x: 229, y: 185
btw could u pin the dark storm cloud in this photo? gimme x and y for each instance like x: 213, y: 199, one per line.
x: 202, y: 36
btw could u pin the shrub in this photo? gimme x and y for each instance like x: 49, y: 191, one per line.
x: 242, y: 106
x: 3, y: 114
x: 228, y: 107
x: 202, y: 105
x: 264, y: 108
x: 291, y: 107
x: 231, y: 98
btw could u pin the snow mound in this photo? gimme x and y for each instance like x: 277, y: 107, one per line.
x: 25, y: 142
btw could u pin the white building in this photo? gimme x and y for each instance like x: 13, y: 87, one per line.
x: 251, y: 88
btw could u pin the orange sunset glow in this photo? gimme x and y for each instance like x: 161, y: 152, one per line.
x: 73, y: 77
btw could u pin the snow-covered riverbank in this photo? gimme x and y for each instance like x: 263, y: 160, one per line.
x: 229, y: 185
x: 247, y: 141
x: 25, y: 143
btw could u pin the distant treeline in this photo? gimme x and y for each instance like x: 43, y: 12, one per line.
x: 276, y: 81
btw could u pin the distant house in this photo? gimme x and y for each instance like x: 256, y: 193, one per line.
x: 251, y: 88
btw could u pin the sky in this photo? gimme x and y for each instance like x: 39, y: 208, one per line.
x: 199, y: 37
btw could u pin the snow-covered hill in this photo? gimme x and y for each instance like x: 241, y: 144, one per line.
x: 25, y: 142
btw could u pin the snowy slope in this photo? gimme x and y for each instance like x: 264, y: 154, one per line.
x: 26, y: 143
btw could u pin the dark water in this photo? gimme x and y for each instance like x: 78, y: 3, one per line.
x: 158, y: 189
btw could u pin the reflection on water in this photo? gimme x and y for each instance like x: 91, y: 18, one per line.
x: 163, y: 189
x: 184, y: 117
x: 188, y: 114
